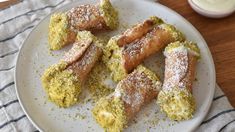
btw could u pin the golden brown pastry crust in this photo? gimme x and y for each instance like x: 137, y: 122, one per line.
x: 136, y: 32
x: 83, y: 66
x: 86, y: 17
x: 134, y: 53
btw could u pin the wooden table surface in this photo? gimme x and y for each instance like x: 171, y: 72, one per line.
x: 219, y: 35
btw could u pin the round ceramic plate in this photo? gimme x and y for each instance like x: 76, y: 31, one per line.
x: 35, y: 57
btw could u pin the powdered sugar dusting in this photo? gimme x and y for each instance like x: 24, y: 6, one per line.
x: 76, y: 51
x: 117, y: 93
x: 137, y: 47
x: 83, y: 66
x: 85, y: 17
x: 136, y: 32
x: 135, y: 52
x: 176, y: 67
x: 136, y: 90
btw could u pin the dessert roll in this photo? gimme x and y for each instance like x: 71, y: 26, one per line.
x: 175, y: 98
x: 138, y: 31
x: 64, y: 26
x: 93, y: 17
x: 122, y: 60
x: 115, y: 111
x: 134, y: 53
x: 63, y: 81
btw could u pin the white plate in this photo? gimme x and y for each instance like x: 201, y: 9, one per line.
x: 34, y: 57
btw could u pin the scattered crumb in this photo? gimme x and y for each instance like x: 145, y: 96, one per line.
x: 95, y: 81
x: 80, y: 116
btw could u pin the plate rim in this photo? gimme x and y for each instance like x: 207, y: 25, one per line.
x: 157, y: 4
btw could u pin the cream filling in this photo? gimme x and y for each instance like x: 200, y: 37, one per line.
x: 107, y: 116
x: 182, y: 49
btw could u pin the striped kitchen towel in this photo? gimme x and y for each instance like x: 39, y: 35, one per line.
x: 16, y: 22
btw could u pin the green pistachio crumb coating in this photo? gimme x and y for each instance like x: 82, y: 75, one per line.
x: 112, y: 58
x: 58, y: 31
x: 177, y: 35
x: 85, y: 35
x: 88, y: 36
x: 110, y: 114
x: 178, y: 104
x: 95, y: 81
x: 109, y: 13
x: 148, y: 72
x: 110, y: 47
x: 157, y: 20
x: 61, y: 85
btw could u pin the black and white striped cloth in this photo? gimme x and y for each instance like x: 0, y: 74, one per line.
x: 16, y: 22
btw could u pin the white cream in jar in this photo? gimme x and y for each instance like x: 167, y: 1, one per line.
x: 213, y: 8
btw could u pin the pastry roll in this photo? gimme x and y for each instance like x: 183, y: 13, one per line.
x: 136, y: 90
x: 176, y: 98
x: 134, y: 53
x: 64, y: 26
x: 122, y: 60
x: 63, y: 81
x: 138, y: 31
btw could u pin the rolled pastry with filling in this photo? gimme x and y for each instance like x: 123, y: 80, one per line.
x: 122, y: 60
x: 115, y: 111
x: 63, y: 81
x: 176, y: 98
x: 64, y: 25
